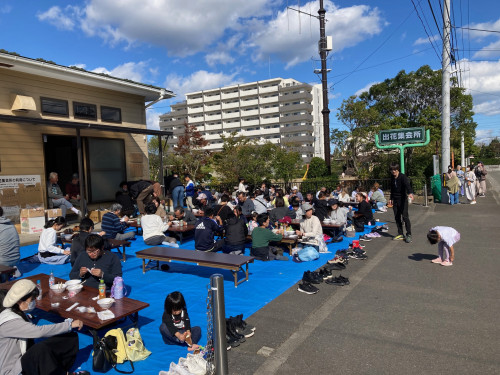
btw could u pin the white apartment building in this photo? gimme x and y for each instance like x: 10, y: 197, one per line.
x: 281, y: 111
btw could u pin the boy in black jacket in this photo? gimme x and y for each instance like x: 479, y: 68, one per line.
x: 400, y: 191
x: 205, y: 230
x: 236, y: 233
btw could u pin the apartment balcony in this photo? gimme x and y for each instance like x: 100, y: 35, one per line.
x: 211, y: 98
x: 228, y: 115
x: 196, y: 100
x: 177, y: 122
x: 213, y: 117
x: 211, y: 137
x: 195, y: 120
x: 266, y: 111
x: 299, y: 139
x: 272, y: 99
x: 212, y: 107
x: 192, y: 111
x: 269, y: 131
x: 297, y: 96
x: 244, y: 93
x: 247, y: 103
x: 231, y: 125
x: 296, y: 118
x: 265, y: 90
x: 230, y: 105
x: 180, y: 111
x: 251, y: 112
x: 214, y: 147
x: 230, y: 95
x: 300, y: 86
x: 270, y: 120
x: 246, y: 123
x: 213, y: 127
x: 296, y: 129
x: 296, y: 107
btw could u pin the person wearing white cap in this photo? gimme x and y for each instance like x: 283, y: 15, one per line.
x: 296, y: 193
x: 311, y: 226
x: 18, y: 353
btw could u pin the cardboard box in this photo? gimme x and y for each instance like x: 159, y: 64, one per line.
x: 52, y: 213
x: 101, y: 214
x: 32, y: 220
x: 94, y: 216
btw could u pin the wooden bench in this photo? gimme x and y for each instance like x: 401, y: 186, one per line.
x: 231, y: 262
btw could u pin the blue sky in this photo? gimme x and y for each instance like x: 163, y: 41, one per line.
x: 192, y: 45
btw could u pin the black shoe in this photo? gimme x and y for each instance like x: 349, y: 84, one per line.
x: 335, y: 267
x: 245, y: 331
x: 231, y: 331
x: 355, y: 255
x: 344, y: 279
x: 232, y: 342
x: 317, y: 276
x: 325, y: 273
x: 307, y: 288
x: 365, y: 238
x: 310, y: 278
x: 335, y: 281
x: 244, y: 324
x: 359, y: 251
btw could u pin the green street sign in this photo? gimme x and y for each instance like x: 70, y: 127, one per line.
x: 400, y: 136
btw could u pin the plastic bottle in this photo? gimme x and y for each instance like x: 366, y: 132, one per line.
x: 51, y: 279
x: 39, y: 287
x: 102, y: 289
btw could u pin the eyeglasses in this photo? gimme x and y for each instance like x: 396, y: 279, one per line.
x: 92, y: 251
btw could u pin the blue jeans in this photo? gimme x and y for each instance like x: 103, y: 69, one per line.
x: 178, y: 196
x: 454, y: 198
x: 169, y: 339
x: 63, y: 204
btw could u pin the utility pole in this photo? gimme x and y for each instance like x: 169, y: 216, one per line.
x: 445, y: 90
x: 324, y: 83
x: 462, y: 148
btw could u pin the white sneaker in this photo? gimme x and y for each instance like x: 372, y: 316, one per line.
x: 473, y: 202
x: 170, y: 244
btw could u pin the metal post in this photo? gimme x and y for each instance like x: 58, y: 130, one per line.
x: 219, y: 322
x: 324, y: 85
x: 160, y: 172
x: 445, y: 89
x: 83, y: 195
x: 425, y: 194
x: 462, y: 148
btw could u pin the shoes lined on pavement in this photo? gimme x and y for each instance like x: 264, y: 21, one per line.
x: 336, y: 281
x: 325, y: 273
x: 307, y: 288
x: 335, y: 266
x: 311, y: 278
x: 408, y: 238
x: 365, y: 238
x: 446, y: 263
x: 438, y: 260
x: 359, y: 256
x: 399, y: 237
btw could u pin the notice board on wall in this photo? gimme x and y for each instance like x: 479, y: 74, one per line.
x: 21, y: 191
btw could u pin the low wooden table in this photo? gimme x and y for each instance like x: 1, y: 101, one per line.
x: 115, y: 244
x: 296, y: 222
x: 136, y: 225
x: 122, y: 308
x: 231, y: 262
x: 289, y: 242
x: 180, y: 231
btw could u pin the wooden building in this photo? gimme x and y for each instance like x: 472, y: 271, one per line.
x: 66, y: 120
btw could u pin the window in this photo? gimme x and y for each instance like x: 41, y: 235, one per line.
x: 110, y: 114
x: 85, y: 111
x: 54, y: 107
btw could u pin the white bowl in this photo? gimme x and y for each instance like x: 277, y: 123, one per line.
x: 73, y: 282
x: 76, y: 288
x: 105, y: 303
x: 58, y: 288
x: 68, y: 237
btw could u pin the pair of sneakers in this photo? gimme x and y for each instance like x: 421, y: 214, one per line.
x: 308, y: 279
x: 339, y: 281
x: 445, y: 263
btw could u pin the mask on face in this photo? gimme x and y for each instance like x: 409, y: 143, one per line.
x: 31, y: 307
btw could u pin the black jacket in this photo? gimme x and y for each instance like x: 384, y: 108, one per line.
x: 279, y: 213
x: 400, y: 187
x: 108, y: 263
x: 321, y: 209
x: 236, y: 231
x: 204, y: 233
x: 224, y: 212
x: 78, y: 245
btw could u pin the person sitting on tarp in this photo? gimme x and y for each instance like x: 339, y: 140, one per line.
x: 153, y: 228
x: 185, y: 215
x: 96, y: 264
x: 261, y: 236
x: 364, y: 215
x: 56, y: 197
x: 48, y: 250
x: 113, y: 226
x: 280, y: 211
x: 123, y: 197
x: 236, y: 233
x: 205, y: 230
x: 9, y: 244
x: 78, y: 242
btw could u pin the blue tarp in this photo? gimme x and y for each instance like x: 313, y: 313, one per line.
x: 267, y: 281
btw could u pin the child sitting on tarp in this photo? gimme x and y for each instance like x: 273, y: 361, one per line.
x: 48, y: 250
x: 176, y: 327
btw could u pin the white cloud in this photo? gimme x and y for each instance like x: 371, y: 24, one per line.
x: 425, y: 40
x: 200, y: 80
x: 220, y: 57
x: 81, y: 66
x: 294, y: 42
x: 153, y: 119
x: 484, y: 84
x: 5, y: 9
x: 366, y: 88
x: 480, y: 35
x: 489, y: 51
x: 182, y: 27
x: 484, y: 136
x: 130, y: 70
x: 62, y: 19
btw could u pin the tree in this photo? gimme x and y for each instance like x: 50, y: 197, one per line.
x: 317, y: 168
x: 407, y: 100
x: 154, y: 157
x: 190, y: 155
x: 287, y: 164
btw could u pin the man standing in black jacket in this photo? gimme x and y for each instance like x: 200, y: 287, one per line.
x: 400, y: 192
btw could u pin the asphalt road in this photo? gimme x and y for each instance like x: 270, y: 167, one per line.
x: 401, y: 314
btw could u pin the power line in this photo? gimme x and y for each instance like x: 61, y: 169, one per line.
x: 434, y: 16
x: 474, y: 29
x: 425, y: 29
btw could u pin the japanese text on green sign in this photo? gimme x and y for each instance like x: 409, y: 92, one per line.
x: 406, y: 135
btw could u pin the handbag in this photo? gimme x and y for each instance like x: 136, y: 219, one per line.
x: 136, y: 351
x: 106, y: 352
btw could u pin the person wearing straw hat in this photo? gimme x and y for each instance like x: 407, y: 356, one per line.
x: 18, y: 353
